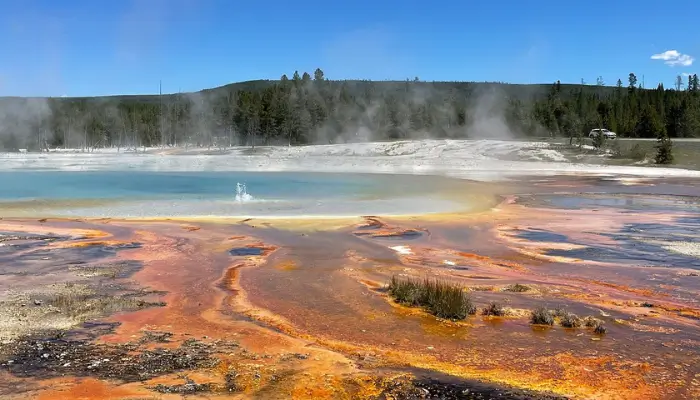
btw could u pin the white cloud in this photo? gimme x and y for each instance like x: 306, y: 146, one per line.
x: 674, y: 58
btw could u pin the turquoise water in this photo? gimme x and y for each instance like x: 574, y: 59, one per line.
x: 161, y: 194
x: 210, y: 185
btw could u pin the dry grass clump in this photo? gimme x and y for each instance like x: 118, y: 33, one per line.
x: 518, y: 288
x: 440, y: 298
x: 570, y: 320
x: 541, y: 316
x: 595, y: 323
x: 544, y: 316
x: 559, y: 312
x: 482, y: 288
x: 591, y: 322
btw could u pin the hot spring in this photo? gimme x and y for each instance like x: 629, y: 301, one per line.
x: 227, y: 194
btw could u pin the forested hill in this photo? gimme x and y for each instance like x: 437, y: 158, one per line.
x: 306, y: 109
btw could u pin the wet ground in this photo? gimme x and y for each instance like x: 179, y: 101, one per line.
x: 272, y: 309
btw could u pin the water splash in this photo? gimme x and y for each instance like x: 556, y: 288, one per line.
x: 242, y: 193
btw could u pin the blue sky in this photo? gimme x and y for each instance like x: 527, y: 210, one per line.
x: 101, y: 47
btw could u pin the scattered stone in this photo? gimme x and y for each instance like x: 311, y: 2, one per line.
x: 156, y: 336
x: 452, y: 389
x: 230, y: 381
x: 189, y: 387
x: 126, y: 362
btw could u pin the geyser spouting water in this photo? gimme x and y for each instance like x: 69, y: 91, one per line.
x: 242, y: 193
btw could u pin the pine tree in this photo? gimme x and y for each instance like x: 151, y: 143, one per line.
x: 664, y: 148
x: 690, y: 119
x: 632, y: 82
x: 649, y: 124
x: 689, y: 87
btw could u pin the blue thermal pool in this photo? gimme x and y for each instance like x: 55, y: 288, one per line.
x: 223, y: 194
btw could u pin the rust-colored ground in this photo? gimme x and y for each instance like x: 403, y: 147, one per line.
x: 313, y: 321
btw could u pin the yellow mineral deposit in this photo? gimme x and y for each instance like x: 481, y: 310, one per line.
x: 311, y: 318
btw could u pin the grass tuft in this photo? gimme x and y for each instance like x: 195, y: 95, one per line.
x: 442, y: 299
x: 541, y: 316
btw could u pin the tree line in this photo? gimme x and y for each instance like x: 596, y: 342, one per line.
x: 308, y: 109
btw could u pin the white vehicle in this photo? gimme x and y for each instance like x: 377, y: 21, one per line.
x: 608, y: 134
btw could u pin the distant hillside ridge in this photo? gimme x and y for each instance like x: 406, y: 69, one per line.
x: 312, y: 109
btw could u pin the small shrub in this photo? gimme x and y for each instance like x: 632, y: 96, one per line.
x: 599, y: 140
x: 541, y: 316
x: 592, y: 322
x: 517, y: 288
x: 442, y: 299
x: 600, y: 330
x: 569, y: 320
x: 494, y: 309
